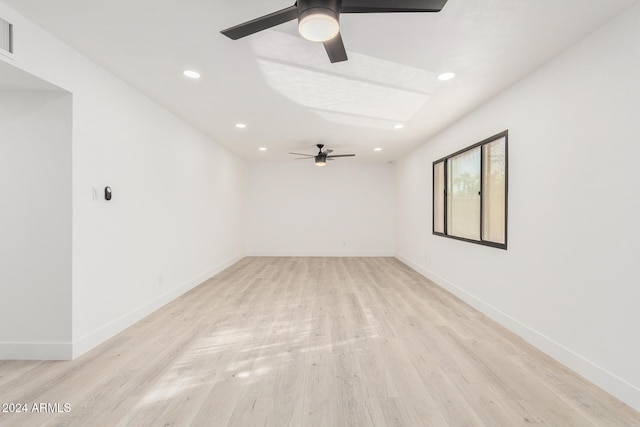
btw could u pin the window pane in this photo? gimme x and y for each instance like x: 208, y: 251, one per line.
x: 493, y: 191
x: 463, y: 195
x: 438, y: 197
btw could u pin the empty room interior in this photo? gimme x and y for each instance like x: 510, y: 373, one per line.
x: 332, y: 213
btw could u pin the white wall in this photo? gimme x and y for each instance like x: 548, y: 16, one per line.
x: 568, y: 282
x: 176, y: 214
x: 295, y: 208
x: 35, y: 223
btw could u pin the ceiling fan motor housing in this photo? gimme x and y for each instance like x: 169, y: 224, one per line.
x: 308, y: 7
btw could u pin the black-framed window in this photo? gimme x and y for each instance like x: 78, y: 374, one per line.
x: 470, y: 193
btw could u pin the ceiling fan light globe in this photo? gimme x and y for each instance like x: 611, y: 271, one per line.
x: 318, y: 25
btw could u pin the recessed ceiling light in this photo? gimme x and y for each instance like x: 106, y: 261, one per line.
x: 241, y: 125
x: 398, y: 126
x: 192, y: 74
x: 377, y: 149
x: 262, y: 148
x: 446, y: 76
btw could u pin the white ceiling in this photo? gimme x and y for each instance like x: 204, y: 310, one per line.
x: 284, y: 88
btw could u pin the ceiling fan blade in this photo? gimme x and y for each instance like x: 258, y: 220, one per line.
x: 303, y: 158
x: 262, y: 23
x: 300, y: 154
x: 341, y: 155
x: 328, y: 151
x: 380, y: 6
x: 335, y: 49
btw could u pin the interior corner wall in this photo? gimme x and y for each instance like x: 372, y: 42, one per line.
x: 35, y: 225
x: 294, y: 208
x: 176, y: 214
x: 568, y: 282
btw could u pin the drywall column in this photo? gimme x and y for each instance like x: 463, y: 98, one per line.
x: 35, y: 225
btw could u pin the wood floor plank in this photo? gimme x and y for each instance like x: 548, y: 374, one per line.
x: 286, y: 341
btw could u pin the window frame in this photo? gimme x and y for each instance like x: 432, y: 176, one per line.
x: 444, y: 160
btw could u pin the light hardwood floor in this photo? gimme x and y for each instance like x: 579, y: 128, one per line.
x: 312, y: 342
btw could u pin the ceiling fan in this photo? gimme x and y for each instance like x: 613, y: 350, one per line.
x: 322, y: 157
x: 318, y: 19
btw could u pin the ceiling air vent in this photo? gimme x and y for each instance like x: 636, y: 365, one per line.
x: 6, y: 36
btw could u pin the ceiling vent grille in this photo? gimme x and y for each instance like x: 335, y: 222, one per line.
x: 6, y: 36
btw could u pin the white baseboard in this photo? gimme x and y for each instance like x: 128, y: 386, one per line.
x: 35, y: 351
x: 322, y: 254
x: 618, y: 387
x: 93, y: 339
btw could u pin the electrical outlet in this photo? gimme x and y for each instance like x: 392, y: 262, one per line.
x: 160, y: 280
